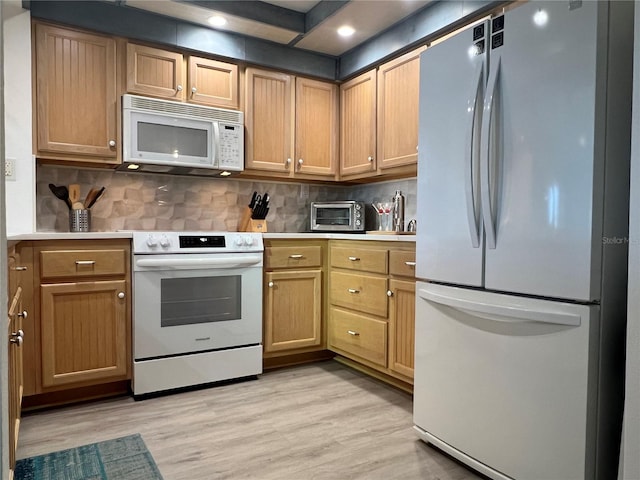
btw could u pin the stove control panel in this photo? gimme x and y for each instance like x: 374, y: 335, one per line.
x: 196, y: 242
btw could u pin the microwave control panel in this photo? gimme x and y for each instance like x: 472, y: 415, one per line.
x: 231, y: 147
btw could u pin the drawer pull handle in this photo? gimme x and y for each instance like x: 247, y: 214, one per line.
x: 410, y: 264
x: 20, y: 269
x: 355, y: 334
x: 353, y: 290
x: 354, y: 259
x: 389, y: 293
x: 296, y: 256
x: 85, y: 262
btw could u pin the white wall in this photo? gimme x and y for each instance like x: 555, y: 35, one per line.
x: 20, y: 193
x: 630, y: 460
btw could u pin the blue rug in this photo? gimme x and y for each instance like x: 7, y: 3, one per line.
x: 125, y: 458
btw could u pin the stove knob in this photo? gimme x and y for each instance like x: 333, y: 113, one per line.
x: 164, y: 241
x: 248, y: 241
x: 239, y: 242
x: 151, y: 241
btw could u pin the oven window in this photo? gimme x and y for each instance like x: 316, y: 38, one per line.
x: 186, y: 301
x: 333, y: 216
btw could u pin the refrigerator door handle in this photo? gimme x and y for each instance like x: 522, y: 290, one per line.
x: 472, y: 216
x: 485, y: 155
x: 503, y: 313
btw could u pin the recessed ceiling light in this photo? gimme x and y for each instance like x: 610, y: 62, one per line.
x: 217, y: 21
x: 346, y: 31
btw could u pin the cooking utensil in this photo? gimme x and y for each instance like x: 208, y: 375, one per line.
x: 95, y: 199
x: 74, y: 197
x: 90, y: 196
x: 61, y: 192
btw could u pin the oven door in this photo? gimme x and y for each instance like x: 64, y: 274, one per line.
x: 191, y: 303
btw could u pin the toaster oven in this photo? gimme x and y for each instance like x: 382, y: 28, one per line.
x: 346, y: 216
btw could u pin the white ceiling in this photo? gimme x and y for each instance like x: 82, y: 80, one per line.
x: 368, y: 17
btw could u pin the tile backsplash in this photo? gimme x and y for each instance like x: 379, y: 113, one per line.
x: 140, y: 201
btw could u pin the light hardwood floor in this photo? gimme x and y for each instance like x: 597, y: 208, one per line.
x: 317, y: 421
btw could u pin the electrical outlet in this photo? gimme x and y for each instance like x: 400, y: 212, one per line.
x: 9, y: 168
x: 304, y: 190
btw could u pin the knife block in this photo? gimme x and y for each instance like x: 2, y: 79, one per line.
x: 248, y: 224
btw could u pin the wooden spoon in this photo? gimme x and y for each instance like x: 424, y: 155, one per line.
x: 74, y: 197
x: 91, y: 197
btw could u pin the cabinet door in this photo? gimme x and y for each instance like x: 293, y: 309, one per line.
x: 14, y: 373
x: 402, y: 302
x: 316, y: 127
x: 293, y: 310
x: 268, y: 118
x: 358, y: 125
x: 213, y: 83
x: 76, y: 94
x: 398, y: 92
x: 83, y: 332
x: 156, y: 72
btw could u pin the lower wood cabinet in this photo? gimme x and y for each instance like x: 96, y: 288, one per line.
x: 294, y: 283
x: 293, y: 310
x: 78, y: 332
x: 84, y: 332
x: 372, y: 307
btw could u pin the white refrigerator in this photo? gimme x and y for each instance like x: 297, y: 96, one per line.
x: 523, y: 177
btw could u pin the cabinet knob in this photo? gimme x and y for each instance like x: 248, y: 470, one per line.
x: 287, y: 162
x: 270, y: 284
x: 354, y: 333
x: 17, y: 340
x: 179, y: 88
x: 300, y: 162
x: 389, y: 293
x: 370, y: 158
x: 112, y: 143
x: 121, y: 295
x: 194, y: 89
x: 23, y: 314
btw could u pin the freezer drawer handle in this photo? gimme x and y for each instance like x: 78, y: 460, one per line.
x: 502, y: 313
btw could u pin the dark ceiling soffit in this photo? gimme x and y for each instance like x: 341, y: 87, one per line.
x: 145, y: 26
x: 321, y: 11
x: 421, y: 27
x: 258, y: 11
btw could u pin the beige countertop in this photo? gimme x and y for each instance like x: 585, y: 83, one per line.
x: 267, y: 236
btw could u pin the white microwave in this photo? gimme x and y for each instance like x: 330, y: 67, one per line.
x: 170, y: 137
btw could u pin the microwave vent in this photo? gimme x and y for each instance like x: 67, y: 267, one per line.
x: 183, y: 109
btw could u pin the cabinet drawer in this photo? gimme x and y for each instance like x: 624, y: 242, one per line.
x: 402, y: 263
x: 285, y: 257
x: 358, y: 335
x: 82, y: 263
x: 364, y: 293
x: 361, y: 259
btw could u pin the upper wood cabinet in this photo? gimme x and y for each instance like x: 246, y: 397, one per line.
x: 162, y: 73
x: 156, y: 72
x: 268, y: 116
x: 398, y: 94
x: 213, y: 83
x: 358, y: 125
x: 76, y: 96
x: 316, y: 134
x: 281, y: 121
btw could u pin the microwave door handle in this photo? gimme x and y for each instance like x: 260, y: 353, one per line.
x: 216, y: 144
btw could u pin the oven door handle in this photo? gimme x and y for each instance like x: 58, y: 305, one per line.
x: 227, y: 262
